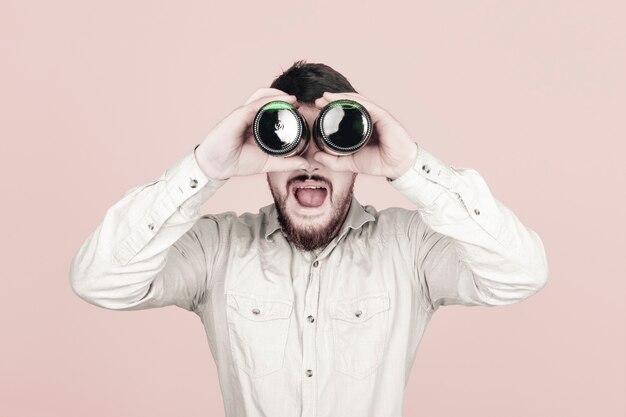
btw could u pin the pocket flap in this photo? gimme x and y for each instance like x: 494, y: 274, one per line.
x: 360, y: 309
x: 259, y: 308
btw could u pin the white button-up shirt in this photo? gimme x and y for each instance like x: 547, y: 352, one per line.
x: 311, y: 334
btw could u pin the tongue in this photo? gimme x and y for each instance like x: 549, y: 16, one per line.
x: 310, y: 197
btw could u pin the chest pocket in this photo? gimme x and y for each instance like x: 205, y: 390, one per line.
x: 258, y: 329
x: 359, y: 332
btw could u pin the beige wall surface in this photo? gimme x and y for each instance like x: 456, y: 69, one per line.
x: 99, y: 96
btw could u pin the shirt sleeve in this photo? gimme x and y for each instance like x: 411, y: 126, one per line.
x: 152, y: 249
x: 467, y: 247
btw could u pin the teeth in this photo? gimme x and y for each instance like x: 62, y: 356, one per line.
x: 311, y: 187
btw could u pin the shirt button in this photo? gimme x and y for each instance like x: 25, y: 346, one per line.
x: 311, y: 319
x: 426, y: 168
x: 193, y: 183
x: 358, y: 313
x: 476, y: 211
x: 316, y: 263
x: 151, y: 226
x: 309, y: 372
x: 256, y: 311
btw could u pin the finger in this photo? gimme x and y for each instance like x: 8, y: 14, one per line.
x: 254, y: 106
x: 321, y: 102
x: 325, y: 99
x: 264, y: 92
x: 377, y: 112
x: 351, y: 96
x: 336, y: 163
x: 348, y: 94
x: 279, y: 163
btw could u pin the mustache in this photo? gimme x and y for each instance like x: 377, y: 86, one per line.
x: 308, y: 177
x: 329, y: 185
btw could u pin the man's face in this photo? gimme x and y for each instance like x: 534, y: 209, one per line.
x: 311, y: 218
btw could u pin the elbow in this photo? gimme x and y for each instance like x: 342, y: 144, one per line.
x: 80, y: 282
x: 82, y: 290
x: 92, y: 287
x: 93, y: 292
x: 539, y: 266
x: 82, y: 272
x: 532, y: 268
x: 93, y: 279
x: 535, y: 272
x: 535, y: 281
x: 541, y: 277
x: 525, y: 279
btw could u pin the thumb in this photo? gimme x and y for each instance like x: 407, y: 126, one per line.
x: 292, y: 163
x: 335, y: 163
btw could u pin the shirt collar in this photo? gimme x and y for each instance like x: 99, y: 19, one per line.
x: 357, y: 217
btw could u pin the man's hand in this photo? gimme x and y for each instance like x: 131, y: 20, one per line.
x: 229, y: 149
x: 390, y: 152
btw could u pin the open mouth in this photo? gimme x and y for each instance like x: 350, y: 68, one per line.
x: 309, y: 193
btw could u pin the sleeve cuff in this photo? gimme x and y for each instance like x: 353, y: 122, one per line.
x: 189, y: 186
x: 425, y: 180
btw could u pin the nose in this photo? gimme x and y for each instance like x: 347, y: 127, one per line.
x: 311, y: 149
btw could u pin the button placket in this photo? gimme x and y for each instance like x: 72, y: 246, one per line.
x: 309, y: 334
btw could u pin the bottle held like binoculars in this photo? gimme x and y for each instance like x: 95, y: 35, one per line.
x: 342, y: 128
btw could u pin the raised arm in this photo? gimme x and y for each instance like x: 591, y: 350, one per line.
x: 150, y: 250
x: 469, y: 248
x: 153, y: 249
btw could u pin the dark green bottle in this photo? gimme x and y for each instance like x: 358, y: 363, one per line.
x: 342, y: 127
x: 280, y: 130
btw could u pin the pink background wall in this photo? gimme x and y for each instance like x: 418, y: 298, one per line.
x: 99, y: 96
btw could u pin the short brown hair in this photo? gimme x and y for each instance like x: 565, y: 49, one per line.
x: 309, y: 81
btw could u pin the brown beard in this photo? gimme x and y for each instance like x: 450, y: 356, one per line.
x: 309, y: 238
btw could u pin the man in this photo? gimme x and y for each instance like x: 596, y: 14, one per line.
x: 315, y: 305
